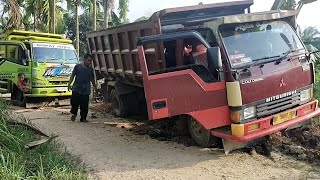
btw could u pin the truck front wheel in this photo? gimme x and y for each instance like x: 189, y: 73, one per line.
x: 17, y: 97
x: 21, y: 99
x: 119, y: 106
x: 201, y: 136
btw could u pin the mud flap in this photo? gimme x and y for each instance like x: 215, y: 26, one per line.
x: 229, y: 146
x: 299, y: 125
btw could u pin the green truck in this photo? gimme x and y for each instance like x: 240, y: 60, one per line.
x: 35, y: 66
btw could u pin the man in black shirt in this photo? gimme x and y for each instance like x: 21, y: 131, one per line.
x: 83, y: 74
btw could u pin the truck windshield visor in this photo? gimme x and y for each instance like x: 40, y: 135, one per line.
x: 256, y: 41
x: 54, y: 53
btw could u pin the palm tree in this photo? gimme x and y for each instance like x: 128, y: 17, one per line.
x: 309, y: 34
x: 53, y: 16
x: 290, y: 4
x: 92, y: 6
x: 77, y: 3
x: 40, y: 11
x: 14, y: 15
x: 123, y: 10
x: 107, y: 6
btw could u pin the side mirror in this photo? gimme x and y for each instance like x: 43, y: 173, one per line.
x: 26, y: 57
x: 214, y: 58
x: 26, y: 54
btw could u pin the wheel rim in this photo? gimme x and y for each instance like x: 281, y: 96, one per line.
x: 199, y: 131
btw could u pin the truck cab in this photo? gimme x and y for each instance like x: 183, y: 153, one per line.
x: 36, y: 65
x: 226, y: 72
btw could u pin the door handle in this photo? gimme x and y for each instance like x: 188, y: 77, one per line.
x: 159, y: 105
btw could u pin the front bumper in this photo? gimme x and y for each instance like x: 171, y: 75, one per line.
x: 49, y: 92
x: 264, y: 126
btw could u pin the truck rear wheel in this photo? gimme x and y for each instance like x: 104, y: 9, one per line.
x: 119, y: 106
x: 201, y: 136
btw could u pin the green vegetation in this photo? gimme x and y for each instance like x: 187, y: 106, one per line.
x: 46, y: 161
x: 63, y: 17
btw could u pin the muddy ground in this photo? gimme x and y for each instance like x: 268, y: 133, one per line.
x: 116, y: 148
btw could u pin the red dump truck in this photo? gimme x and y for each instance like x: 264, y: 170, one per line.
x: 228, y: 73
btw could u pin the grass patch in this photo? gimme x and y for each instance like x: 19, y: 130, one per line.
x: 46, y: 161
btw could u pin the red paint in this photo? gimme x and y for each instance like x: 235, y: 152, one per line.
x: 212, y: 118
x: 143, y: 63
x: 265, y: 124
x: 185, y: 93
x: 160, y: 113
x: 277, y: 79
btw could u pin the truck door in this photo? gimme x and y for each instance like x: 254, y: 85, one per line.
x: 188, y: 89
x: 15, y: 65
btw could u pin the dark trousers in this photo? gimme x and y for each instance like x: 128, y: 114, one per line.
x: 81, y: 100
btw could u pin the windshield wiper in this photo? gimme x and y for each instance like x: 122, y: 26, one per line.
x: 49, y: 59
x: 286, y: 54
x: 263, y: 60
x: 278, y: 59
x: 68, y: 60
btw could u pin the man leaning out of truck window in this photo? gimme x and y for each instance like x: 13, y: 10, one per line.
x: 83, y: 74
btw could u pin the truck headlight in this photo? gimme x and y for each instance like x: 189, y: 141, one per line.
x: 240, y: 115
x: 305, y: 95
x: 249, y: 112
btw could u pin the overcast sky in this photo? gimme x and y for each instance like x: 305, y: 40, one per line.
x: 309, y: 15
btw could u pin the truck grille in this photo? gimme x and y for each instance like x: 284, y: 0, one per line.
x: 276, y: 106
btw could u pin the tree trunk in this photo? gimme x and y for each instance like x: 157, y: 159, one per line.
x: 106, y: 13
x: 77, y: 29
x: 34, y: 22
x: 53, y: 16
x: 94, y: 15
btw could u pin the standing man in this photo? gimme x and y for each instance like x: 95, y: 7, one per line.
x: 81, y: 88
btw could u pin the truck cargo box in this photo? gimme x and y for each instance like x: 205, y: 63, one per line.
x: 115, y: 49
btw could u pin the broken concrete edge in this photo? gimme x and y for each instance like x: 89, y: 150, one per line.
x: 20, y: 119
x: 31, y: 126
x: 39, y: 142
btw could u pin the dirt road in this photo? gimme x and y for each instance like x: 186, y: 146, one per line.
x: 113, y: 152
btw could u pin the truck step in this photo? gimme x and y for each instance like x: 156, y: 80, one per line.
x: 3, y: 82
x: 3, y: 90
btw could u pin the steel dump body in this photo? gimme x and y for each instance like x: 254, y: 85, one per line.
x: 115, y: 49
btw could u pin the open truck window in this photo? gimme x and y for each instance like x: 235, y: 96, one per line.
x: 14, y: 53
x: 249, y: 42
x: 183, y: 53
x: 54, y: 53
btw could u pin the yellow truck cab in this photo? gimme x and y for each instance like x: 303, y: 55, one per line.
x: 35, y: 65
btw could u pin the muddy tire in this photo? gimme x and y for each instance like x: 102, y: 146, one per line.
x: 201, y: 136
x: 181, y: 126
x: 118, y: 104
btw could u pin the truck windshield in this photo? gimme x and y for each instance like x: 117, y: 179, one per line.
x: 54, y: 53
x: 246, y: 43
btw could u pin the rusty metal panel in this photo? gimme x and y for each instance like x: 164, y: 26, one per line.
x: 115, y: 50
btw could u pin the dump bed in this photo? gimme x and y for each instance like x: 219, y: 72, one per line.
x: 115, y: 49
